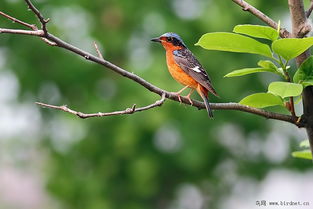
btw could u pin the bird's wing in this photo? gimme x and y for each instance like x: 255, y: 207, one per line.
x: 187, y: 61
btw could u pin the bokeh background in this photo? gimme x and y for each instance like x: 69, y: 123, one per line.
x: 172, y: 157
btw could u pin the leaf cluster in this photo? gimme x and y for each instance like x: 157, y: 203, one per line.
x: 265, y: 41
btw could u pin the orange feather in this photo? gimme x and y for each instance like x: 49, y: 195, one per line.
x: 177, y: 73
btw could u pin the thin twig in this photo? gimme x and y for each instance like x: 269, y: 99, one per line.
x: 48, y: 42
x: 309, y: 11
x: 291, y: 106
x: 291, y: 101
x: 33, y: 27
x: 38, y: 33
x: 247, y: 7
x: 40, y: 17
x: 147, y: 85
x: 131, y: 110
x: 97, y: 50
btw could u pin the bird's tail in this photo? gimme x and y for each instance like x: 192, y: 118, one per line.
x: 204, y: 95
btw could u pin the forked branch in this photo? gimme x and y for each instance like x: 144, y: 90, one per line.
x: 40, y: 17
x: 131, y: 110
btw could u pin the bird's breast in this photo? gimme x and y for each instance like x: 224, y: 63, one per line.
x: 179, y: 74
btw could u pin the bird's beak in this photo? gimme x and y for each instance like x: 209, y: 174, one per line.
x: 156, y: 39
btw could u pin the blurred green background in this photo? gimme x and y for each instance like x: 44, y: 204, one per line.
x: 172, y: 157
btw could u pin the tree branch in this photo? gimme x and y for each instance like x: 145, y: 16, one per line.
x: 247, y: 7
x: 256, y: 111
x: 217, y: 106
x: 131, y: 110
x: 300, y: 27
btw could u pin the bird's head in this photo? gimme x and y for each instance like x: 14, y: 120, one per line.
x: 170, y: 41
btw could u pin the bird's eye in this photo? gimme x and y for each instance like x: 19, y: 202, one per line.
x: 169, y: 39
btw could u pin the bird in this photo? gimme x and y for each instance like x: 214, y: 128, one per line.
x: 186, y: 69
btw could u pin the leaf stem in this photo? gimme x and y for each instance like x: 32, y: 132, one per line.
x: 287, y: 77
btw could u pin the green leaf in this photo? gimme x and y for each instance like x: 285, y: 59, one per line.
x: 305, y: 143
x: 267, y: 64
x: 290, y: 48
x: 306, y: 154
x: 257, y: 31
x: 246, y: 71
x: 285, y: 89
x: 233, y: 43
x: 270, y: 65
x: 304, y: 74
x: 260, y: 100
x: 307, y: 83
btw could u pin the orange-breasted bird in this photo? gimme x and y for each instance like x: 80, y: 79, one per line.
x: 186, y: 69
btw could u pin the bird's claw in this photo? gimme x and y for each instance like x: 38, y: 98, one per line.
x: 190, y: 101
x: 178, y: 96
x: 188, y: 97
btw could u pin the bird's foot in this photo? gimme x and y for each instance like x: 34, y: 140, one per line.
x: 178, y: 96
x: 189, y: 99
